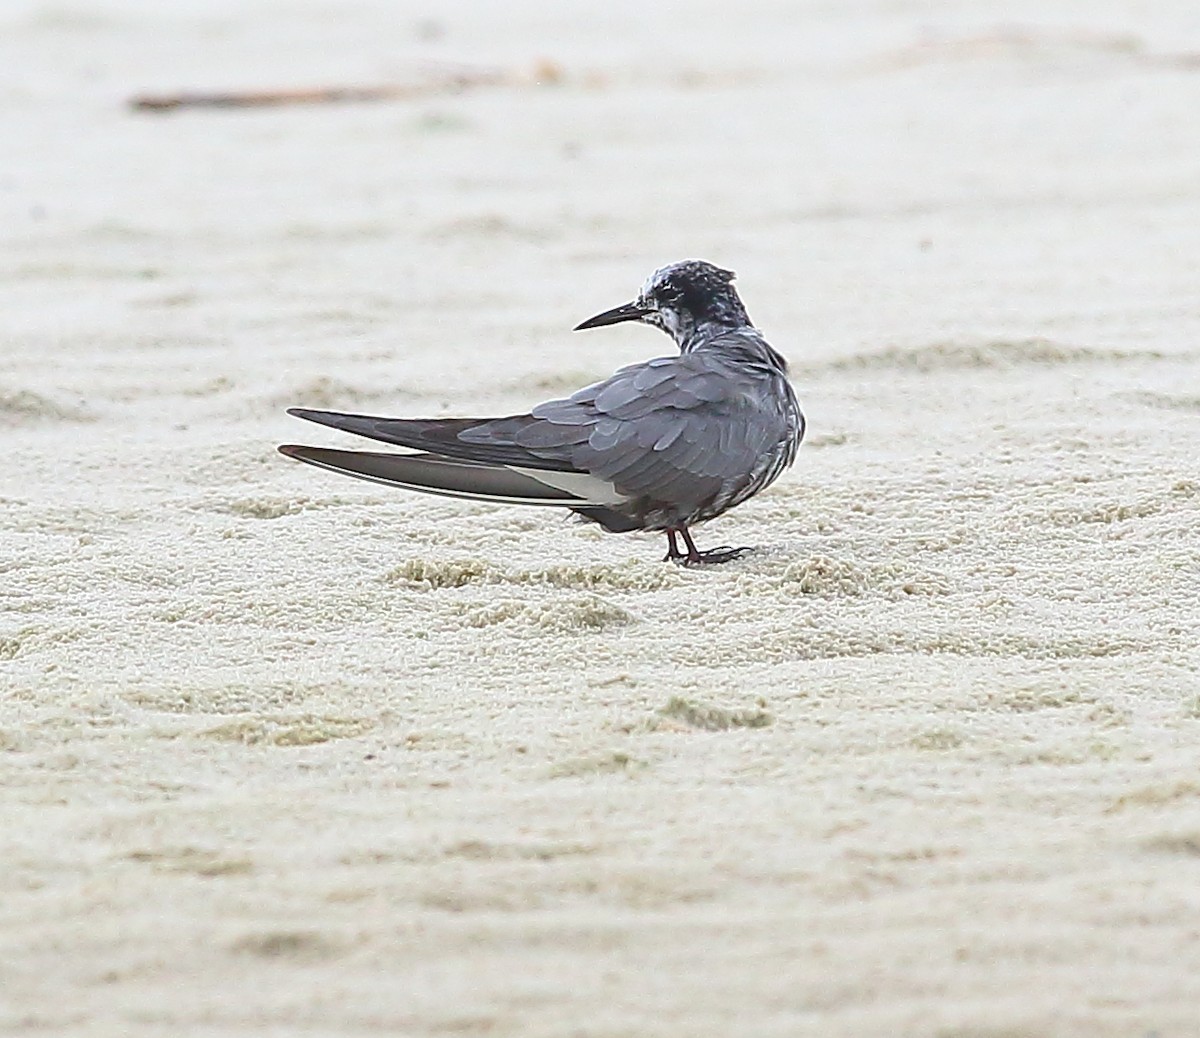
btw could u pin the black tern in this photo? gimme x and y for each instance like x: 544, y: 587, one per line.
x: 661, y: 445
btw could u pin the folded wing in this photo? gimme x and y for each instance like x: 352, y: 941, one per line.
x: 672, y: 436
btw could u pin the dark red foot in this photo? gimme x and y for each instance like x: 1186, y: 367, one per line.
x: 695, y: 557
x: 715, y: 556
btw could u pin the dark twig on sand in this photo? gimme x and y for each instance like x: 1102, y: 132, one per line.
x: 441, y: 80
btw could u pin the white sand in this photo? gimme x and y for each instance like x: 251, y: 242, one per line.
x: 289, y: 754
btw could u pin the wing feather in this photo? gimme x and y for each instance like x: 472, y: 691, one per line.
x: 670, y: 435
x: 431, y: 474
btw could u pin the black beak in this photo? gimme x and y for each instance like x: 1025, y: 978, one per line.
x: 628, y: 312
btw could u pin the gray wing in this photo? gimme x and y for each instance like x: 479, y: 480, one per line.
x: 677, y: 432
x: 680, y: 431
x: 434, y: 474
x: 441, y: 436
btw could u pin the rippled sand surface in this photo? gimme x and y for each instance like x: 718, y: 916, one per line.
x: 283, y: 753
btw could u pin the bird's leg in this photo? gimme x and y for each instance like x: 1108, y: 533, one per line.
x: 713, y: 556
x: 673, y: 552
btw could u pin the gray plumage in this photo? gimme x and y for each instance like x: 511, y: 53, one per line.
x: 660, y: 445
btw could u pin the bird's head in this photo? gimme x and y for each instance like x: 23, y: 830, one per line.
x: 684, y: 299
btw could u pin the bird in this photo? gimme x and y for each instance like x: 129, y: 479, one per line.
x: 662, y: 445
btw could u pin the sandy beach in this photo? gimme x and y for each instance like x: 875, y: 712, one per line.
x: 282, y: 753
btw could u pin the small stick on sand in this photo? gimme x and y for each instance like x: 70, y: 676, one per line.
x: 443, y: 81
